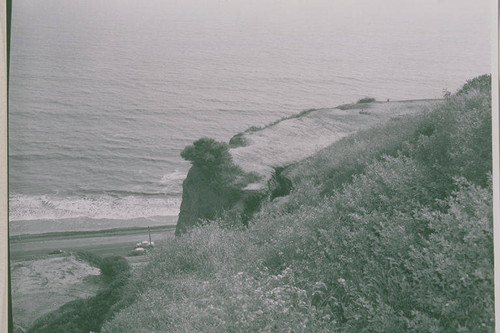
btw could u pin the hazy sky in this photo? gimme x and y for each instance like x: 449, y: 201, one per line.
x: 244, y: 13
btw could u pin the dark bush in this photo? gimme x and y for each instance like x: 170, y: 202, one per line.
x: 237, y: 141
x: 207, y: 152
x: 366, y: 100
x: 114, y: 267
x: 279, y: 184
x: 481, y: 83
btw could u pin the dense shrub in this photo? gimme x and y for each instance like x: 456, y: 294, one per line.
x: 238, y: 141
x: 479, y: 84
x: 366, y: 100
x: 397, y: 238
x: 207, y: 153
x: 114, y: 268
x: 279, y: 184
x: 86, y: 315
x: 335, y: 165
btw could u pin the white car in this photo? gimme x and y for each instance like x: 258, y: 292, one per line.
x: 145, y: 244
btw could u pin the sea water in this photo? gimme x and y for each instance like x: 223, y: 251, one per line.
x: 104, y: 95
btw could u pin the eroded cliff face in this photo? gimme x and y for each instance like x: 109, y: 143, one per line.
x: 205, y: 194
x: 209, y: 193
x: 213, y: 183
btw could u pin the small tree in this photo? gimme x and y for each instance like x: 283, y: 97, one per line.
x: 207, y: 152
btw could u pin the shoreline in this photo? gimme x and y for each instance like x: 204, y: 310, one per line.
x: 105, y: 239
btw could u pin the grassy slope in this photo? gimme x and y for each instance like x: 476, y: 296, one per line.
x: 295, y: 138
x: 388, y: 230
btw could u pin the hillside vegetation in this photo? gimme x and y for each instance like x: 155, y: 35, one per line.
x: 88, y: 314
x: 387, y: 230
x: 295, y: 138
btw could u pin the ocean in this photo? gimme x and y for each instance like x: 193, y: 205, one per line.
x: 104, y: 95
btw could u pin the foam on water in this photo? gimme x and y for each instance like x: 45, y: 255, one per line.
x: 172, y: 181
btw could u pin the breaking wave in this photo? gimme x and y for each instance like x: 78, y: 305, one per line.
x: 44, y: 207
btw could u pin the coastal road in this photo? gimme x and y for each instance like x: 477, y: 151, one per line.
x: 104, y: 243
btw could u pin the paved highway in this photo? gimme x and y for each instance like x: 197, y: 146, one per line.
x: 105, y: 243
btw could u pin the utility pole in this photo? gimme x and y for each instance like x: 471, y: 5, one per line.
x: 149, y: 231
